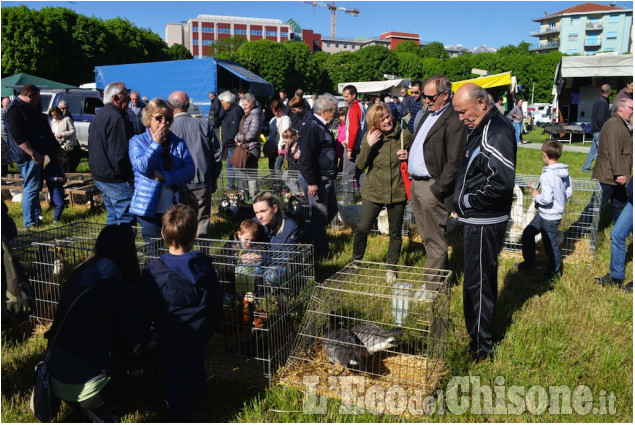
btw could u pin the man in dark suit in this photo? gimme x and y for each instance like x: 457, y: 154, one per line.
x: 433, y: 162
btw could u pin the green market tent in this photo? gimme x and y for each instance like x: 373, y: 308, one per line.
x: 23, y: 78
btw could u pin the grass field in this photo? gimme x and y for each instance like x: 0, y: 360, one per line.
x: 572, y: 337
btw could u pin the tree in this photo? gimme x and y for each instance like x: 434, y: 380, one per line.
x: 346, y: 66
x: 325, y: 83
x: 435, y: 50
x: 266, y: 58
x: 522, y: 48
x: 302, y: 71
x: 226, y: 45
x: 408, y: 46
x: 409, y: 65
x: 178, y: 52
x: 382, y: 60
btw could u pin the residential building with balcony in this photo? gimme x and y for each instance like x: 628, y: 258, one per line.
x: 585, y: 29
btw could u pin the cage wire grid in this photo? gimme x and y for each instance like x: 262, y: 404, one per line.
x: 262, y: 305
x: 238, y: 187
x: 263, y: 300
x: 385, y: 323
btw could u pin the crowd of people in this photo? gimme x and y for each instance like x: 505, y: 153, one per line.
x: 447, y: 152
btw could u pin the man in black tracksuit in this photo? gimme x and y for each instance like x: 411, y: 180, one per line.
x: 482, y: 199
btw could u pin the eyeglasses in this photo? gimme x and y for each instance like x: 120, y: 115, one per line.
x: 415, y: 92
x: 161, y: 118
x: 63, y: 108
x: 433, y: 97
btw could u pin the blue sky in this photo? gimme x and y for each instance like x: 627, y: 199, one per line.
x: 470, y: 23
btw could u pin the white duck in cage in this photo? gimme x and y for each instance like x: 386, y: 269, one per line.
x: 374, y: 338
x: 519, y: 217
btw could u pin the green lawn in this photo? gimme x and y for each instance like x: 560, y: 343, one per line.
x: 572, y: 336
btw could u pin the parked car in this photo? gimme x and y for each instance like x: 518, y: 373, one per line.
x: 541, y: 113
x: 82, y: 104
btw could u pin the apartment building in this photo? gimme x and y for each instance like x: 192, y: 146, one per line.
x: 585, y: 29
x: 199, y: 33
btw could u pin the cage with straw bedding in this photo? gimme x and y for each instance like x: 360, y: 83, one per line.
x: 265, y: 290
x: 385, y: 323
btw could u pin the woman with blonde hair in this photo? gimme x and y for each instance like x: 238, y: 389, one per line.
x: 162, y: 167
x: 383, y: 148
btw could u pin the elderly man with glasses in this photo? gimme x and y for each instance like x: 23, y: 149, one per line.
x: 108, y: 159
x: 433, y: 163
x: 66, y: 112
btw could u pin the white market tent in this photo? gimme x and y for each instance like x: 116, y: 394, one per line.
x: 600, y: 68
x: 596, y: 66
x: 391, y: 86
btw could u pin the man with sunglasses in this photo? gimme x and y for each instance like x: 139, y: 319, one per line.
x: 108, y: 158
x: 416, y: 87
x: 433, y: 163
x: 406, y: 103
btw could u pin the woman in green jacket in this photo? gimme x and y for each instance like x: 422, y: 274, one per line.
x: 381, y: 154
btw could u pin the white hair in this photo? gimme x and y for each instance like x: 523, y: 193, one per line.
x: 113, y: 89
x: 326, y: 102
x: 227, y: 96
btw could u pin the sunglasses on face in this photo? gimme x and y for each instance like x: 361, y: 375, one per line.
x: 63, y: 108
x: 415, y: 92
x: 160, y: 118
x: 433, y: 97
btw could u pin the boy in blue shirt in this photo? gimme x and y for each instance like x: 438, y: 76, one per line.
x: 185, y: 301
x: 556, y: 188
x: 55, y: 181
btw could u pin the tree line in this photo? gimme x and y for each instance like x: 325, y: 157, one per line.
x: 61, y: 45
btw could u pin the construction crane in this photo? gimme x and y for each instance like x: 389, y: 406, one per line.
x: 333, y: 8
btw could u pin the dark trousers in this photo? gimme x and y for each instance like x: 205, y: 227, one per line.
x: 184, y: 383
x: 323, y: 209
x: 151, y: 229
x: 368, y: 215
x: 74, y: 157
x: 549, y: 231
x: 57, y: 196
x: 616, y: 193
x: 204, y: 197
x: 481, y: 244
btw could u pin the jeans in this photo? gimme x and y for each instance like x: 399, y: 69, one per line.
x: 518, y: 127
x: 32, y: 175
x: 592, y: 153
x: 623, y: 227
x: 549, y: 231
x: 323, y: 208
x: 117, y: 197
x: 57, y: 196
x: 279, y: 162
x: 150, y: 227
x: 231, y: 182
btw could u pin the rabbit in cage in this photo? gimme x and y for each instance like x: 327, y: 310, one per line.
x: 374, y: 338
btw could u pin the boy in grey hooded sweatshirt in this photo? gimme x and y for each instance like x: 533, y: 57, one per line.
x: 556, y: 188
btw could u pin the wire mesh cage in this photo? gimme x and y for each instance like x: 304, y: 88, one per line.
x: 266, y: 288
x: 388, y: 324
x: 579, y: 225
x: 349, y: 202
x: 49, y: 257
x: 577, y: 232
x: 238, y: 187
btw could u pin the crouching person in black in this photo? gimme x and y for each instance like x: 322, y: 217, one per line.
x: 185, y: 299
x: 96, y: 355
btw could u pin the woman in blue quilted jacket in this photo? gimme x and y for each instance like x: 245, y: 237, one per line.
x: 162, y: 167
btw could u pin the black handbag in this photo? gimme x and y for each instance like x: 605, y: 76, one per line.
x: 44, y: 403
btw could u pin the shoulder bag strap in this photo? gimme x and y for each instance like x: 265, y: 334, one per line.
x: 49, y: 350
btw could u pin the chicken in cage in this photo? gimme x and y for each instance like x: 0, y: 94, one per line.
x: 387, y: 323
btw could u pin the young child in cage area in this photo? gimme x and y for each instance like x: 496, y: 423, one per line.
x: 555, y: 188
x: 249, y: 258
x: 184, y: 299
x: 55, y: 181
